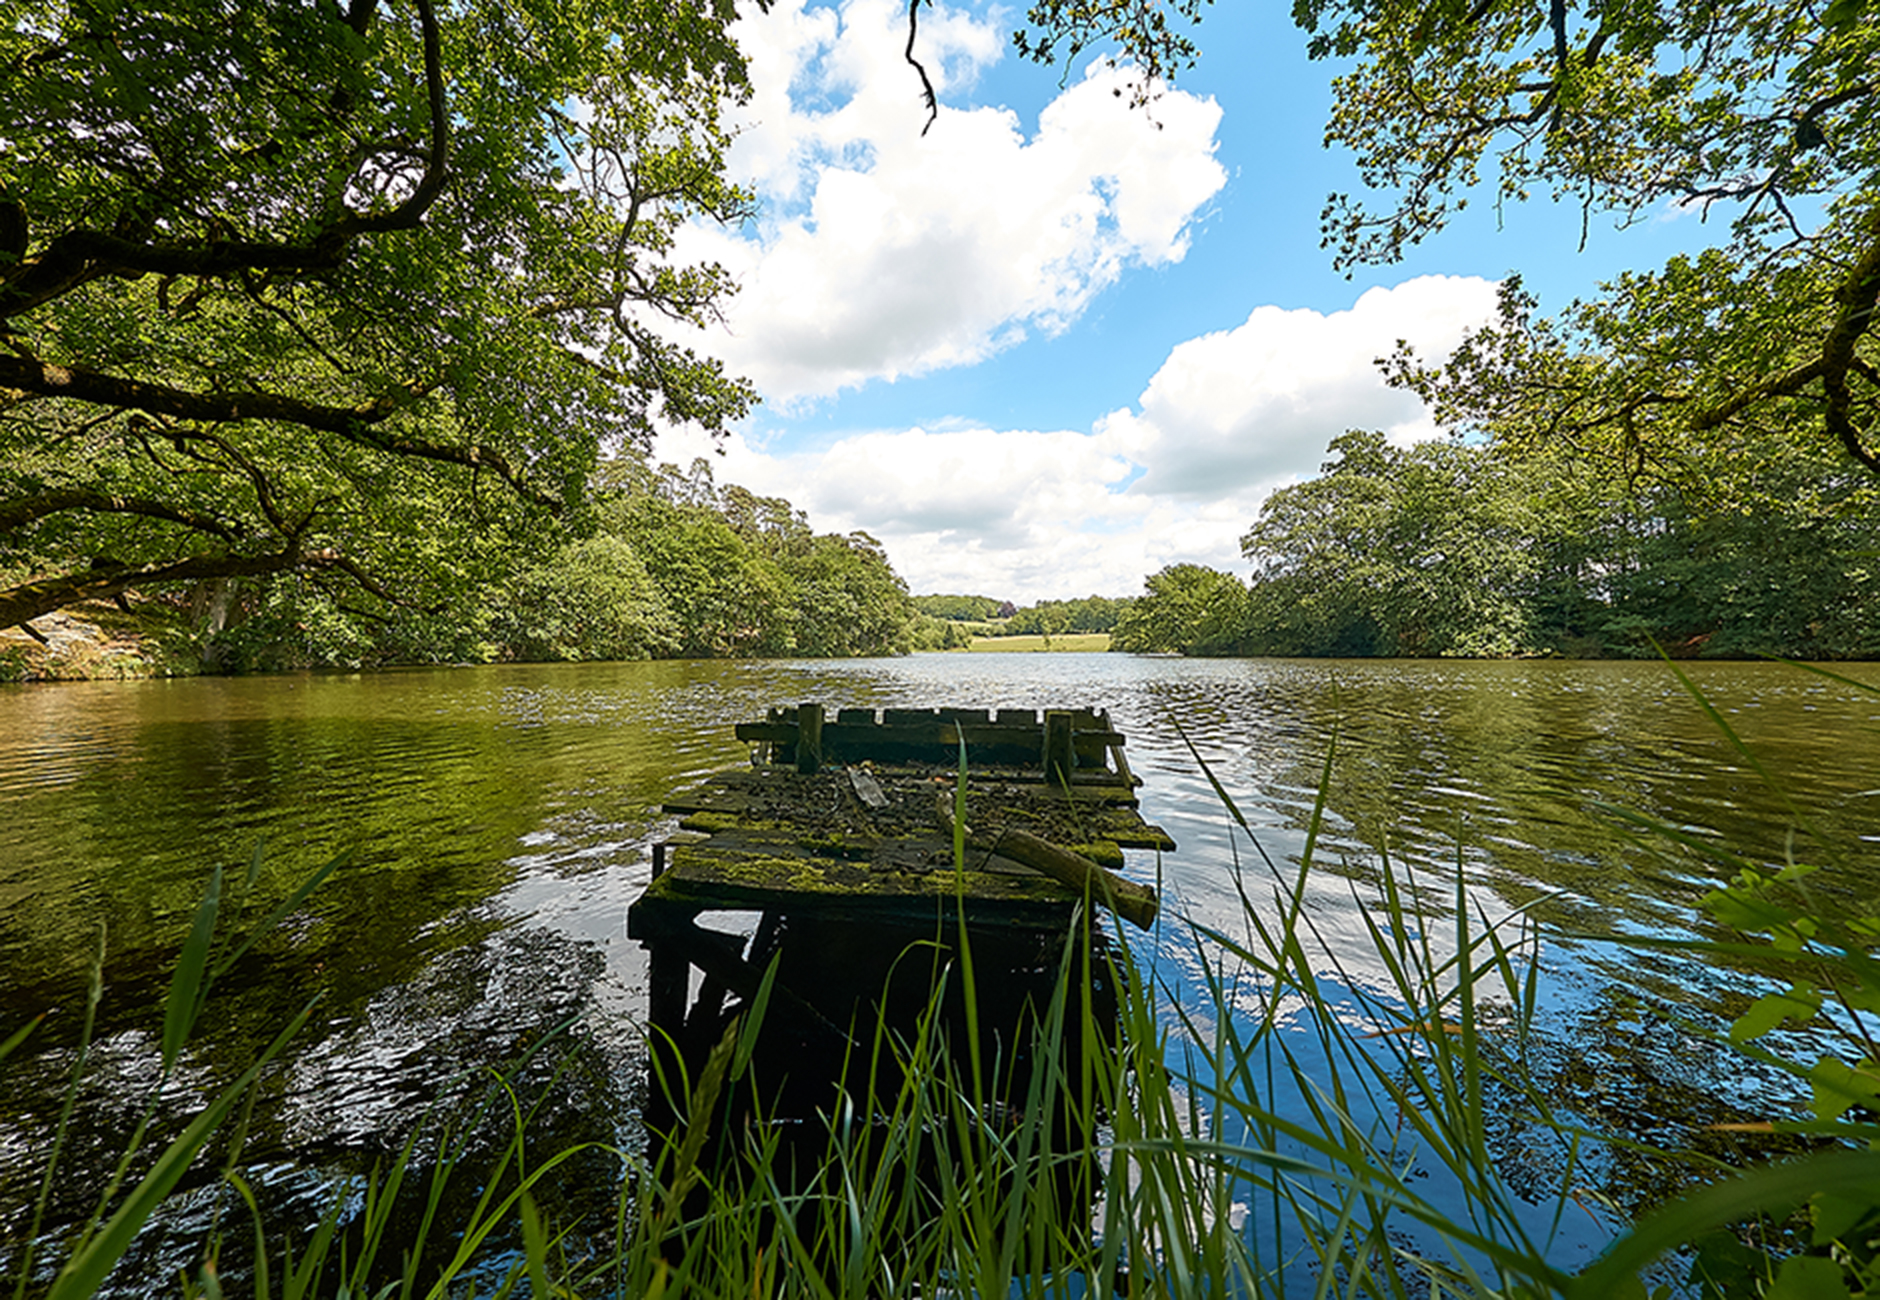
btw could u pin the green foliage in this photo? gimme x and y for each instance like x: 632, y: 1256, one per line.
x: 594, y: 600
x: 1761, y: 109
x: 390, y: 306
x: 1419, y: 551
x: 671, y: 566
x: 959, y: 609
x: 1054, y: 617
x: 1187, y: 608
x: 926, y: 632
x: 745, y: 575
x: 1506, y: 548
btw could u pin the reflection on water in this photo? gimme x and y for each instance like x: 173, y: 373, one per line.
x: 497, y: 821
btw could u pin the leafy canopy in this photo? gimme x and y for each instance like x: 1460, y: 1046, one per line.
x: 1757, y: 112
x: 291, y: 287
x: 1761, y: 113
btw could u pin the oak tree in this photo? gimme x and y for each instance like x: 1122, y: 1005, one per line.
x: 319, y: 286
x: 1759, y: 113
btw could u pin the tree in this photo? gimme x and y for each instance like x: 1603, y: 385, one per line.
x: 1424, y: 551
x: 745, y: 575
x: 1049, y: 618
x: 960, y: 609
x: 310, y: 288
x: 727, y: 599
x: 595, y: 600
x: 1188, y: 608
x: 850, y: 601
x: 1762, y: 110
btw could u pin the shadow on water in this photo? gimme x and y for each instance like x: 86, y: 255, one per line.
x: 856, y: 1029
x: 500, y: 820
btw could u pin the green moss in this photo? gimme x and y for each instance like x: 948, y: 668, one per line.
x: 711, y: 822
x: 1102, y: 852
x: 838, y: 846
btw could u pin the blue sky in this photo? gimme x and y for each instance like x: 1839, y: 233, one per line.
x: 1056, y: 344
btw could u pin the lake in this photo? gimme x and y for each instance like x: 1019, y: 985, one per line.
x: 495, y: 822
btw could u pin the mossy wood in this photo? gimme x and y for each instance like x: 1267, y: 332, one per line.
x: 807, y: 737
x: 841, y: 835
x: 848, y: 813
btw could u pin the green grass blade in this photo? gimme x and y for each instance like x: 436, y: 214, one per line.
x: 1771, y: 1189
x: 287, y: 908
x: 959, y: 811
x: 85, y: 1272
x: 189, y: 987
x: 263, y: 1281
x: 94, y: 993
x: 20, y: 1035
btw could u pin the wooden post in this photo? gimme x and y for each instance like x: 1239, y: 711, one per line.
x: 1116, y: 751
x: 808, y: 738
x: 668, y: 980
x: 1059, y: 754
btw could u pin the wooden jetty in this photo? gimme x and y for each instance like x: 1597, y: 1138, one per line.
x: 851, y: 818
x: 840, y: 837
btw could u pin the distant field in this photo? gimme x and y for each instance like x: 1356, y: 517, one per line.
x: 1030, y: 644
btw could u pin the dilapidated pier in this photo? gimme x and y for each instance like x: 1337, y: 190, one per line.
x: 852, y: 818
x: 845, y: 839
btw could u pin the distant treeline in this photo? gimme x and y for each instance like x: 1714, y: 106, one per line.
x: 666, y: 564
x: 1453, y: 549
x: 951, y: 622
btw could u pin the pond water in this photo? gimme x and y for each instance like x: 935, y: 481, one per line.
x: 495, y: 823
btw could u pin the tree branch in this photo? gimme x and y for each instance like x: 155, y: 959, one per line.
x: 22, y: 511
x: 77, y: 256
x: 1858, y: 295
x: 353, y: 423
x: 926, y: 86
x: 44, y: 595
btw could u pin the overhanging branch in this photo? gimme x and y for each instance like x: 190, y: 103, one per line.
x: 75, y: 257
x: 354, y: 423
x: 44, y: 595
x: 22, y: 511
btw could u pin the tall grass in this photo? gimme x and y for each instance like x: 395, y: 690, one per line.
x: 1300, y: 1128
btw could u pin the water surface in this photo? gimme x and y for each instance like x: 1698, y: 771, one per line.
x: 496, y: 822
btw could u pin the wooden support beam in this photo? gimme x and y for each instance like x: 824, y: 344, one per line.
x: 1060, y: 751
x: 809, y: 746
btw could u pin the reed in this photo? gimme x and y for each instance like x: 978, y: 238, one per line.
x: 1298, y: 1129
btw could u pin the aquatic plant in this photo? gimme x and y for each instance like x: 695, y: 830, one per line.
x: 1302, y: 1128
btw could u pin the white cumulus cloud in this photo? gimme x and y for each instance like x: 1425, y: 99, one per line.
x: 1253, y: 406
x: 883, y: 252
x: 1228, y: 417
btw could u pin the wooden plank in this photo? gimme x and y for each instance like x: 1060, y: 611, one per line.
x: 1108, y: 805
x: 705, y: 876
x: 856, y: 735
x: 1135, y: 903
